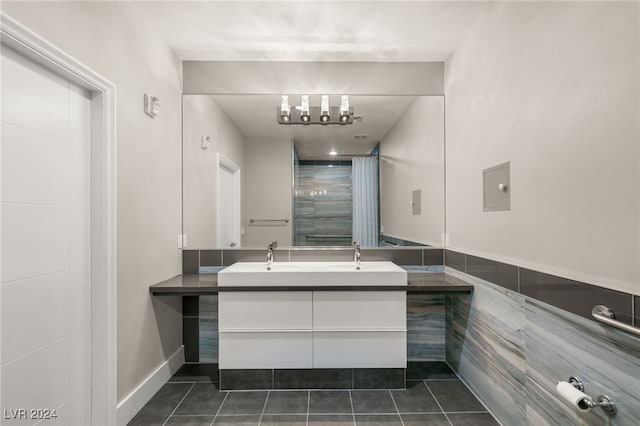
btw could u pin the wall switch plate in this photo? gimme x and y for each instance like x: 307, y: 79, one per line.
x: 151, y: 105
x: 179, y: 241
x: 496, y: 188
x: 206, y: 142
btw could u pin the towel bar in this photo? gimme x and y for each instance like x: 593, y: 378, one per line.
x: 605, y: 315
x: 285, y: 220
x: 329, y: 236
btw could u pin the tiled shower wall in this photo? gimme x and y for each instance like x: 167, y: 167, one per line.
x: 511, y: 349
x: 323, y: 204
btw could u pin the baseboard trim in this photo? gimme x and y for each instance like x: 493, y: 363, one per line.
x: 132, y: 403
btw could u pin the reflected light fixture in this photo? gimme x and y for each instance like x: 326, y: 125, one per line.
x: 305, y: 116
x: 285, y: 109
x: 344, y: 109
x: 324, y: 110
x: 323, y: 114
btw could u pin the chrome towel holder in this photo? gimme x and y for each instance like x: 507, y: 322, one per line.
x: 605, y: 315
x: 285, y: 220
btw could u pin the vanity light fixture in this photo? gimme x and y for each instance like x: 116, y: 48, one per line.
x: 285, y: 109
x: 333, y: 153
x: 324, y: 110
x: 324, y: 114
x: 305, y: 115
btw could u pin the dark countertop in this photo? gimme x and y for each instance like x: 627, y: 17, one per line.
x: 203, y: 284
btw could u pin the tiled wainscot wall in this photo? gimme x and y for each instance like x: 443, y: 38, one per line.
x: 521, y: 331
x: 425, y: 312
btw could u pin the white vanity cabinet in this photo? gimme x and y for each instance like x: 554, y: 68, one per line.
x: 312, y: 329
x: 359, y: 329
x: 265, y: 329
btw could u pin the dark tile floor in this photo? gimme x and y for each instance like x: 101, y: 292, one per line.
x: 434, y: 396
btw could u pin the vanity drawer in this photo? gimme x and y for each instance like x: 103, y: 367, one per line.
x: 265, y: 350
x: 359, y: 349
x: 270, y: 310
x: 348, y: 310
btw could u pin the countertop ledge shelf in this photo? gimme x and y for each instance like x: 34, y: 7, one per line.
x: 203, y: 284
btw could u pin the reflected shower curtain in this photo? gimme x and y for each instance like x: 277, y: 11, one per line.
x: 364, y: 180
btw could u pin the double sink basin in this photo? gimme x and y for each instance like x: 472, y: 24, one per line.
x: 287, y: 274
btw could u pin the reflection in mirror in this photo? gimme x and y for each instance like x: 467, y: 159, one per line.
x: 248, y: 180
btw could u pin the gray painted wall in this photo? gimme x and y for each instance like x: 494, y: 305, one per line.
x: 553, y: 88
x: 269, y: 191
x: 122, y: 49
x: 202, y: 116
x: 412, y: 158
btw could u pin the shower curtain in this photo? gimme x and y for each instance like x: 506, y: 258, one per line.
x: 365, y: 200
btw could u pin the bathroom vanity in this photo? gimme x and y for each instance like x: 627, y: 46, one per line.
x: 319, y: 316
x: 302, y: 315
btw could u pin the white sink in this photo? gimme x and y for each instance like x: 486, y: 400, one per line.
x: 288, y: 274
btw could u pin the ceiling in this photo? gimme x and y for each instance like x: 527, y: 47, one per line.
x: 256, y: 117
x: 313, y: 31
x: 414, y: 31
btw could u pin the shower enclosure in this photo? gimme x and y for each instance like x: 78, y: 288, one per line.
x: 336, y: 202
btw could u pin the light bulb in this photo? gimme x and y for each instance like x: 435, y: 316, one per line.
x: 324, y: 109
x: 344, y: 109
x: 285, y: 109
x: 305, y: 117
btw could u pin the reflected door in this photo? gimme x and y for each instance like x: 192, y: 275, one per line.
x: 228, y: 204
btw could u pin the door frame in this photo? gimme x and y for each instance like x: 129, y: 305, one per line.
x: 225, y: 162
x: 103, y: 207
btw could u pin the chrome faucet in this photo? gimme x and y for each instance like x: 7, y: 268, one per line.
x: 270, y: 248
x: 356, y: 253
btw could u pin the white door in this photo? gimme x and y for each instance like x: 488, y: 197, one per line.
x: 228, y: 204
x: 45, y: 279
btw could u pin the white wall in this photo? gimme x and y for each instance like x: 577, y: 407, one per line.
x: 269, y: 191
x: 553, y: 88
x: 354, y: 78
x: 112, y: 39
x: 203, y: 116
x: 411, y: 158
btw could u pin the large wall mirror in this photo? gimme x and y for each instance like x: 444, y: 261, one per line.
x: 248, y: 180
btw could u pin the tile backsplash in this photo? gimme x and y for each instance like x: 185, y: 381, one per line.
x: 572, y: 296
x: 192, y: 260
